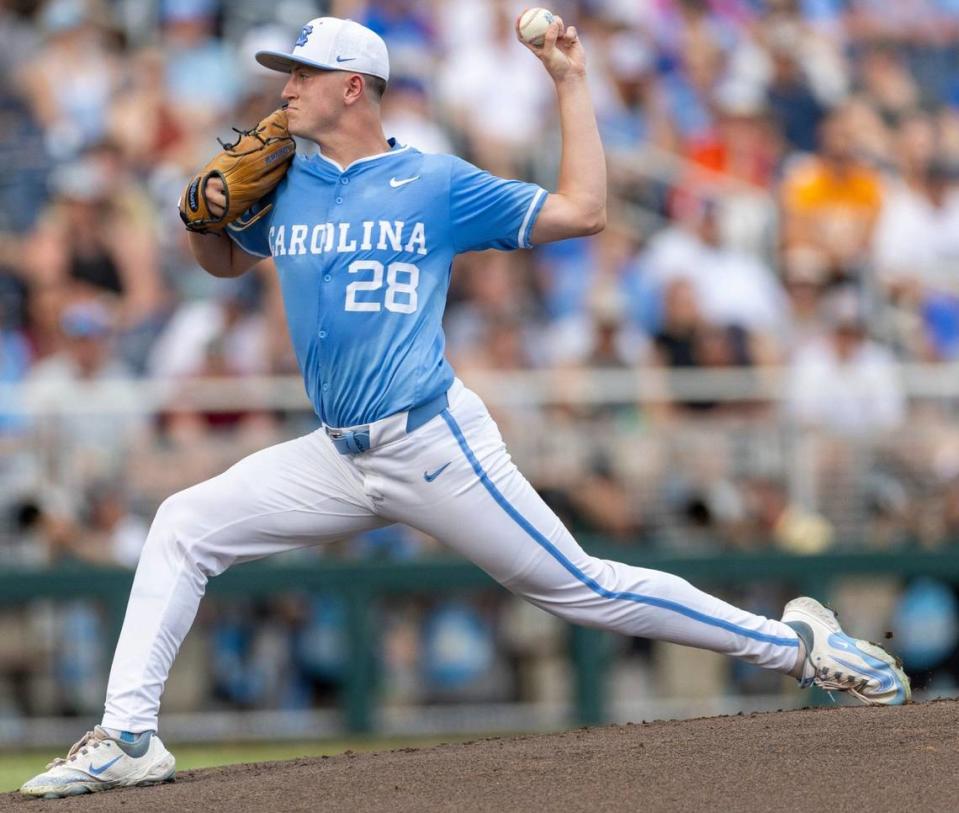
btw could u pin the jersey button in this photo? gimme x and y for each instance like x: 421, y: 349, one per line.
x: 326, y: 387
x: 322, y: 334
x: 344, y: 179
x: 327, y: 277
x: 339, y: 200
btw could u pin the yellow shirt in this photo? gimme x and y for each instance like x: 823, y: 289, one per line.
x: 814, y: 189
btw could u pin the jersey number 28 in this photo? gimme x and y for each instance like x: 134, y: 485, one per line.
x: 401, y: 282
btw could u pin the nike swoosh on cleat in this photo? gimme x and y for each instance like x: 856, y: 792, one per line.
x: 102, y: 768
x: 886, y: 682
x: 397, y: 184
x: 881, y: 672
x: 431, y: 477
x: 345, y: 58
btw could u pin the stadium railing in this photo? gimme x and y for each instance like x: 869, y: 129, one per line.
x: 361, y: 583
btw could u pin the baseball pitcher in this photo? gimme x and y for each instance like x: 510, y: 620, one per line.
x: 363, y: 235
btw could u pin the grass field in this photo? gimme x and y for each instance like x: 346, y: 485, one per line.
x: 17, y: 767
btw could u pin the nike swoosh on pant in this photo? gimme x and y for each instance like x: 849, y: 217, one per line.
x: 431, y: 477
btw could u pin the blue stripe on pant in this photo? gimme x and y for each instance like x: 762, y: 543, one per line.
x: 550, y: 548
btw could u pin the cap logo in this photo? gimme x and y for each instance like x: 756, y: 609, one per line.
x: 345, y: 58
x: 304, y: 36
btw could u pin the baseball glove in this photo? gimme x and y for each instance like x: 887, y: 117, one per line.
x: 248, y: 168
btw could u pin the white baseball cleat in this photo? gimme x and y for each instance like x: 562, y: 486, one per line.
x: 101, y: 762
x: 837, y: 662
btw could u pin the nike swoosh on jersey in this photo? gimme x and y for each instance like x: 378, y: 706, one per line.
x: 102, y: 768
x: 431, y: 477
x: 397, y: 184
x: 345, y: 58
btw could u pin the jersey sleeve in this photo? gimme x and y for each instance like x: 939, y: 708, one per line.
x: 490, y: 212
x: 250, y: 234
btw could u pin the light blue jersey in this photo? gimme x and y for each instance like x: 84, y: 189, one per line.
x: 364, y: 258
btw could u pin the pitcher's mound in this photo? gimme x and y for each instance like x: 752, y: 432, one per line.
x: 840, y: 759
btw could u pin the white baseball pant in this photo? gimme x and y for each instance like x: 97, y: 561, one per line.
x: 303, y: 492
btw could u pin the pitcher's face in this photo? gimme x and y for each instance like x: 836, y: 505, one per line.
x: 314, y: 100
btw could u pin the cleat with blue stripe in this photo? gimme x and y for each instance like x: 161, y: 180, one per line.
x: 837, y: 662
x: 99, y: 761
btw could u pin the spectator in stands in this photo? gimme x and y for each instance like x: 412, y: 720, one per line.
x: 192, y: 49
x: 743, y: 146
x: 792, y: 102
x: 612, y: 342
x: 631, y: 109
x: 499, y: 137
x: 489, y: 288
x: 831, y: 201
x: 847, y: 383
x: 916, y: 251
x: 412, y: 29
x: 740, y: 155
x: 98, y: 239
x: 733, y: 288
x: 886, y: 80
x: 700, y: 63
x: 595, y: 299
x: 144, y: 121
x: 675, y: 342
x: 99, y: 529
x: 232, y: 326
x: 112, y: 532
x: 593, y: 499
x: 788, y: 31
x: 686, y: 340
x: 72, y: 79
x: 88, y: 410
x: 805, y: 272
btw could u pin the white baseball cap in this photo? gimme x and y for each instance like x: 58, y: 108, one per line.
x: 333, y: 45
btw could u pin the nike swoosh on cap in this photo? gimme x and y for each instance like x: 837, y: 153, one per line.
x: 345, y: 58
x: 397, y: 184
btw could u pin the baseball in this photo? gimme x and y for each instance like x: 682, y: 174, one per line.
x: 533, y: 24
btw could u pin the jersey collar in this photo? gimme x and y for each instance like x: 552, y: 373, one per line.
x: 394, y: 149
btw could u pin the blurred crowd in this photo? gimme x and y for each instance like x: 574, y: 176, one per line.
x: 784, y: 193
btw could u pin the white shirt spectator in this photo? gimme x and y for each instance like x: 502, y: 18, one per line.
x: 87, y: 422
x: 858, y: 396
x: 732, y: 288
x: 473, y: 82
x: 181, y: 349
x: 916, y: 239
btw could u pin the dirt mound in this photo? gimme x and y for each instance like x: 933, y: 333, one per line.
x: 840, y: 759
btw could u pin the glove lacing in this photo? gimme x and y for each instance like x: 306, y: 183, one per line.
x: 253, y: 132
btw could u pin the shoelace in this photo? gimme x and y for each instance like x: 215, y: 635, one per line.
x: 81, y: 747
x: 841, y: 682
